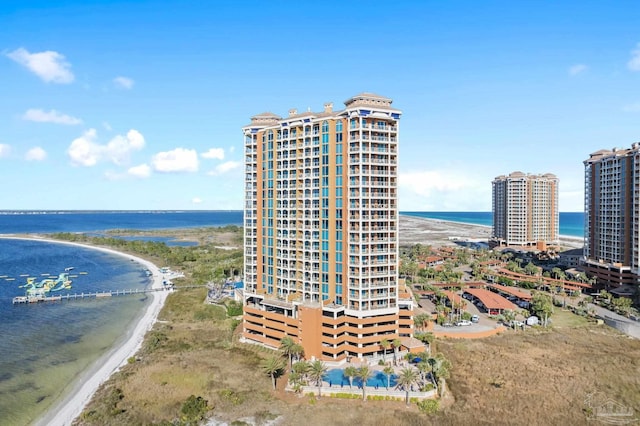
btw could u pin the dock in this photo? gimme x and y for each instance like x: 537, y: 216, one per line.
x: 95, y: 295
x: 75, y: 296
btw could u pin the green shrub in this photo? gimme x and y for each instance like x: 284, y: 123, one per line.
x: 231, y: 396
x: 234, y: 308
x: 428, y: 406
x: 155, y: 340
x: 194, y: 409
x: 428, y: 387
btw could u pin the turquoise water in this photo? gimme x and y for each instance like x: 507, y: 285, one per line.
x: 337, y: 378
x: 46, y: 346
x: 571, y: 223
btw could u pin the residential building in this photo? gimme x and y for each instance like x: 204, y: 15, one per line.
x: 321, y: 230
x: 612, y: 210
x: 525, y: 210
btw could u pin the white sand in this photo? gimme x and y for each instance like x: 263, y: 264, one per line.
x: 64, y: 412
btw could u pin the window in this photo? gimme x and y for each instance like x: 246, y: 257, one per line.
x: 325, y: 126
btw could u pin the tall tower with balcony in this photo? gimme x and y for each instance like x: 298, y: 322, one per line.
x: 321, y: 230
x: 612, y: 214
x: 525, y: 210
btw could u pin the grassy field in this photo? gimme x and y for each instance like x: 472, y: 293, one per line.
x: 534, y: 377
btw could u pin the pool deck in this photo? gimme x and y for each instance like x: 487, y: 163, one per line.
x: 332, y: 388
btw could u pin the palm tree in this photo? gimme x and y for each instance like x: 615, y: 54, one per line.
x: 301, y: 369
x: 384, y: 344
x: 317, y: 370
x: 297, y: 351
x: 421, y: 321
x: 406, y: 379
x: 350, y: 372
x: 396, y: 345
x: 432, y: 363
x: 388, y: 371
x: 364, y: 373
x: 509, y: 317
x: 423, y: 368
x: 441, y: 369
x: 287, y: 345
x: 273, y: 366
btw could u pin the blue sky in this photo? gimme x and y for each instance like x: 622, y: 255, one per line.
x: 139, y: 105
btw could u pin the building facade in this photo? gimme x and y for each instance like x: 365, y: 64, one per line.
x: 321, y: 230
x: 612, y: 211
x: 525, y: 210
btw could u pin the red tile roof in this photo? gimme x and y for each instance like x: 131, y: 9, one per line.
x: 490, y: 299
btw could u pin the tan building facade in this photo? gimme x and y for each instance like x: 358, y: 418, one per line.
x: 525, y: 210
x: 612, y: 212
x: 321, y: 230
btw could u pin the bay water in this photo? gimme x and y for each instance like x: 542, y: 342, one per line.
x: 46, y: 347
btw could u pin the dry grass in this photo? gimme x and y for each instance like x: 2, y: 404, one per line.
x: 515, y: 378
x: 541, y: 377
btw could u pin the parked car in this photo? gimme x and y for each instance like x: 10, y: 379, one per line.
x: 475, y: 318
x: 447, y: 324
x: 463, y: 322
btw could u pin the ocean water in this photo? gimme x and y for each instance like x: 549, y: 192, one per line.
x: 12, y: 221
x: 571, y: 223
x: 46, y: 347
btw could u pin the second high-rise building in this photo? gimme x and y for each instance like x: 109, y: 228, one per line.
x: 525, y: 210
x: 321, y: 230
x: 612, y: 216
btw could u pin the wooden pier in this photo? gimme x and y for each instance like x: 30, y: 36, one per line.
x: 96, y: 295
x: 76, y: 296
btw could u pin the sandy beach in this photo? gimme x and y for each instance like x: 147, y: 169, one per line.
x: 65, y: 411
x: 437, y: 232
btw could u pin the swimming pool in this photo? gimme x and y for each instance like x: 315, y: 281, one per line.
x: 336, y: 377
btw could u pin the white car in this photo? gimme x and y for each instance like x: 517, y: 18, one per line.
x: 463, y: 322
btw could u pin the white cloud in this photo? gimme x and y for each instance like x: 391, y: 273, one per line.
x: 119, y: 148
x: 178, y: 160
x: 51, y: 116
x: 214, y: 153
x: 35, y: 154
x: 85, y: 151
x: 635, y: 107
x: 224, y: 168
x: 443, y: 190
x: 123, y: 82
x: 634, y: 62
x: 196, y: 200
x: 142, y: 171
x: 5, y: 150
x: 577, y: 69
x: 50, y: 66
x: 232, y: 148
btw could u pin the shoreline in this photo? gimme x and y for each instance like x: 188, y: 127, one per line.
x: 69, y: 406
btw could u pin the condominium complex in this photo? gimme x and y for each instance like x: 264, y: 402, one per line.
x: 321, y: 230
x: 612, y: 210
x: 525, y: 210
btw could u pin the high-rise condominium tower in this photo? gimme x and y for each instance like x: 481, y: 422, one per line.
x: 525, y: 210
x: 612, y: 211
x: 321, y: 230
